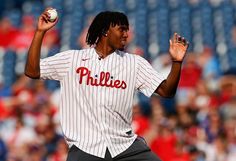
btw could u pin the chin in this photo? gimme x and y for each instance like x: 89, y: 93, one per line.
x: 122, y: 48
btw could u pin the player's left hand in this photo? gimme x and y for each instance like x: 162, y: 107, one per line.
x: 178, y: 47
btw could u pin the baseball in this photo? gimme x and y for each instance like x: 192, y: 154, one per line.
x: 52, y: 14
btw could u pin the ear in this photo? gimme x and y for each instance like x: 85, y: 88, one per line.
x: 104, y: 34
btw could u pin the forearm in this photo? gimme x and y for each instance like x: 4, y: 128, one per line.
x: 169, y: 86
x: 178, y: 49
x: 32, y: 68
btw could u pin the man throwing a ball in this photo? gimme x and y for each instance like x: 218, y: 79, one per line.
x: 98, y: 85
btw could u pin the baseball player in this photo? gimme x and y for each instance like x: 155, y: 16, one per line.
x: 98, y: 85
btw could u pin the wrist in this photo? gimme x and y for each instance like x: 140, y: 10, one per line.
x: 40, y: 31
x: 177, y: 61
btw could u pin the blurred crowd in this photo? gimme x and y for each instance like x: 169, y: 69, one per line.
x: 29, y: 125
x: 199, y: 124
x: 19, y: 38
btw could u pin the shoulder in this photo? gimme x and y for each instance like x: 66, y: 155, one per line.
x: 85, y: 52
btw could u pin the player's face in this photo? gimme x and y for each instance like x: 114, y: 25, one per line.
x: 117, y: 36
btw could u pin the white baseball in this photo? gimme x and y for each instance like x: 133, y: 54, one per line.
x: 52, y: 14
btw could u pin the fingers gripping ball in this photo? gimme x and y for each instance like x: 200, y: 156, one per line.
x: 52, y: 14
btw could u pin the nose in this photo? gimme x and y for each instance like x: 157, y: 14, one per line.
x: 125, y: 34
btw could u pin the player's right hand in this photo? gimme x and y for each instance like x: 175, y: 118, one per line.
x: 44, y: 24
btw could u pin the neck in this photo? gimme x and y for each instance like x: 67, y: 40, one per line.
x: 103, y: 51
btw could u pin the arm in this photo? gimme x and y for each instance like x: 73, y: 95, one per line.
x: 178, y: 49
x: 32, y: 67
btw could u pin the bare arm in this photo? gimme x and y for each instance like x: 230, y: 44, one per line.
x: 32, y: 68
x: 178, y: 49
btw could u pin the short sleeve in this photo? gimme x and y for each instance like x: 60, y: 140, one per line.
x: 148, y: 79
x: 57, y: 66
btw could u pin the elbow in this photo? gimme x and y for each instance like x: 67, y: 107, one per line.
x: 33, y: 73
x: 170, y: 94
x: 166, y: 93
x: 32, y: 76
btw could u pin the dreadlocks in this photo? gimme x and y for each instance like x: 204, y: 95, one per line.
x: 101, y: 24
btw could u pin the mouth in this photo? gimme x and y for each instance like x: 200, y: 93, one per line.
x: 123, y: 42
x: 122, y: 45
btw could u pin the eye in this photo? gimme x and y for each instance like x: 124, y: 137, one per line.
x: 123, y: 29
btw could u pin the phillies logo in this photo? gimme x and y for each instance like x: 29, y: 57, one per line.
x: 104, y: 79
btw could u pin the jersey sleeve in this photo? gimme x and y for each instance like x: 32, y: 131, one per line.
x: 57, y: 66
x: 148, y: 79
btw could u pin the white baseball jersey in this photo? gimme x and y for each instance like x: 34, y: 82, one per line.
x: 97, y: 95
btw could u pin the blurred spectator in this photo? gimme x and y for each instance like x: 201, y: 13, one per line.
x: 230, y: 130
x: 210, y: 67
x: 35, y: 152
x: 23, y: 39
x: 51, y: 139
x: 164, y: 141
x: 228, y: 109
x: 203, y: 101
x: 157, y: 115
x: 4, y: 110
x: 7, y: 32
x: 191, y: 75
x: 51, y: 43
x: 20, y: 95
x: 60, y: 153
x: 217, y: 151
x: 140, y: 122
x: 19, y: 140
x: 180, y: 153
x: 213, y: 125
x: 191, y: 72
x: 159, y: 136
x: 195, y: 154
x: 227, y: 87
x: 162, y: 64
x: 81, y: 40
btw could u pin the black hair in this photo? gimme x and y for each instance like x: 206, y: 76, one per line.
x: 101, y: 24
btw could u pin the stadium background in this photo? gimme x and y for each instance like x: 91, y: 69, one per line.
x: 199, y: 124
